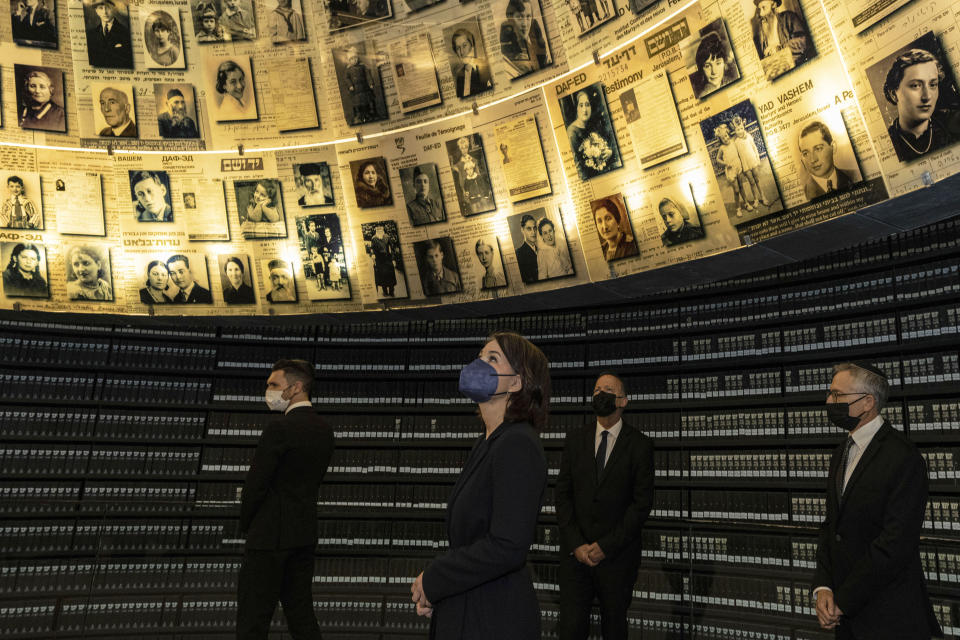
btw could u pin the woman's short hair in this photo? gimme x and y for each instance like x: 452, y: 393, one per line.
x: 531, y: 403
x: 464, y: 33
x: 37, y: 73
x: 906, y: 59
x: 163, y: 20
x: 481, y: 242
x: 90, y: 250
x: 544, y: 222
x: 682, y: 209
x: 609, y: 205
x: 711, y: 46
x: 154, y: 263
x: 235, y: 260
x: 226, y: 67
x: 20, y: 248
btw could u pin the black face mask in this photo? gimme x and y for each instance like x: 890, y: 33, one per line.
x: 839, y: 414
x: 604, y: 403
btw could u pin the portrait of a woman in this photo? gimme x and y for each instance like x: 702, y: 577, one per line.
x: 613, y: 227
x: 235, y: 290
x: 88, y: 273
x: 371, y: 186
x: 39, y: 108
x: 162, y: 38
x: 553, y: 261
x: 23, y: 277
x: 480, y: 588
x: 590, y: 132
x: 158, y: 279
x: 716, y: 66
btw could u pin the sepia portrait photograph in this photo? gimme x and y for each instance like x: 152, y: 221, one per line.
x: 345, y: 14
x: 361, y: 89
x: 236, y: 279
x: 88, y: 272
x: 40, y: 103
x: 593, y: 140
x: 471, y: 177
x: 237, y: 19
x: 260, y: 208
x: 381, y: 242
x: 285, y: 22
x: 25, y: 273
x: 468, y: 58
x: 230, y: 85
x: 628, y: 105
x: 824, y: 155
x: 916, y: 91
x: 489, y: 263
x: 677, y: 218
x: 523, y: 37
x: 314, y: 186
x: 587, y: 15
x: 115, y: 117
x: 614, y: 230
x: 107, y: 26
x: 437, y: 266
x: 323, y: 258
x: 176, y: 110
x: 206, y: 22
x: 22, y: 206
x: 422, y: 193
x: 279, y: 286
x: 150, y: 191
x: 711, y: 64
x: 540, y: 245
x: 741, y: 164
x: 178, y: 278
x: 371, y: 184
x: 162, y: 38
x: 34, y: 23
x: 780, y: 33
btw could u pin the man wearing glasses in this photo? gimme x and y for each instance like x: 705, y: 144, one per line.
x: 869, y: 581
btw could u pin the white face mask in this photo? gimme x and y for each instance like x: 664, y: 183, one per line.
x: 276, y: 401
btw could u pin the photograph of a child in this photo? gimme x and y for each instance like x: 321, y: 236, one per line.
x: 711, y: 62
x: 260, y: 208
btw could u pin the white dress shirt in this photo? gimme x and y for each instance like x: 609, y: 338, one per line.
x: 612, y: 432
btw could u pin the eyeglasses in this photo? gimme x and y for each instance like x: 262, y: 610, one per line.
x: 835, y: 395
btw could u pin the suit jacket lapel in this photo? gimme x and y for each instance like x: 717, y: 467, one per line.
x: 619, y: 446
x: 589, y: 445
x: 865, y: 460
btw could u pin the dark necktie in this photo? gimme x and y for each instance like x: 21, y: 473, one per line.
x: 17, y: 210
x: 842, y: 469
x: 602, y: 452
x: 829, y: 185
x: 180, y: 297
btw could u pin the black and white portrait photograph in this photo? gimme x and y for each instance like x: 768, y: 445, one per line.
x: 422, y: 193
x: 916, y: 90
x: 489, y: 263
x: 176, y: 278
x: 323, y: 258
x: 22, y: 206
x: 593, y: 140
x: 345, y: 14
x: 34, y: 23
x: 260, y: 208
x: 279, y: 286
x: 25, y: 274
x: 381, y: 242
x: 206, y: 22
x: 711, y: 64
x: 628, y: 105
x: 236, y: 279
x: 230, y: 89
x: 189, y: 200
x: 40, y: 103
x: 162, y: 38
x: 468, y: 58
x: 471, y: 176
x: 740, y: 161
x: 823, y: 152
x: 150, y: 191
x: 361, y: 89
x: 176, y: 110
x: 115, y: 117
x: 614, y: 230
x: 780, y: 34
x: 285, y: 22
x: 540, y: 245
x: 371, y: 184
x: 314, y: 186
x: 107, y: 26
x: 523, y: 37
x: 437, y: 265
x: 587, y: 15
x: 677, y: 218
x: 237, y: 20
x: 88, y: 272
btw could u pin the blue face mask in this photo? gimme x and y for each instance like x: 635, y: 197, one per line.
x: 479, y: 380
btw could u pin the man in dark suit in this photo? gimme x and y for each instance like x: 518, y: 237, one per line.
x: 190, y: 290
x: 278, y: 511
x: 108, y: 42
x: 604, y: 495
x: 817, y: 148
x: 869, y: 582
x: 527, y: 253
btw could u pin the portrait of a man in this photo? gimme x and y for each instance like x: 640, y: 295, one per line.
x: 421, y: 191
x: 40, y: 98
x: 34, y: 23
x: 780, y: 35
x: 116, y: 110
x: 279, y: 281
x: 237, y: 21
x: 176, y: 111
x: 189, y: 281
x: 107, y: 25
x: 232, y: 88
x: 151, y: 196
x: 468, y: 58
x: 314, y: 184
x: 437, y: 264
x: 818, y: 149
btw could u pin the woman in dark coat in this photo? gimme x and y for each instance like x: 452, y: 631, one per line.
x: 371, y: 188
x: 480, y: 588
x: 384, y: 274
